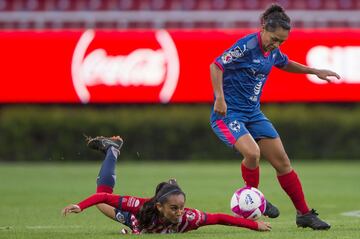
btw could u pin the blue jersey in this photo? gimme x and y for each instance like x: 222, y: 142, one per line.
x: 246, y: 68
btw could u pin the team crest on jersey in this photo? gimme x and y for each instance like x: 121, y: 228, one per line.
x: 226, y: 58
x: 190, y: 216
x: 233, y: 54
x: 235, y: 126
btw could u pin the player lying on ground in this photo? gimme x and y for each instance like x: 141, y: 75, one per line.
x: 163, y: 213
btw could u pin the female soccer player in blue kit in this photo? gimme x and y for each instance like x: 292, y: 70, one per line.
x: 238, y: 77
x: 165, y: 212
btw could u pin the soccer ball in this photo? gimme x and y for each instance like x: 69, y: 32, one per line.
x: 248, y: 202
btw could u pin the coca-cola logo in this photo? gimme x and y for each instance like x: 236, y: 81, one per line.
x: 343, y: 60
x: 143, y: 67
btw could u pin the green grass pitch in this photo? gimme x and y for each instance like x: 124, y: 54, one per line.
x: 32, y: 195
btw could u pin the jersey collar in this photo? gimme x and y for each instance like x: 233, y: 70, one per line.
x: 265, y: 54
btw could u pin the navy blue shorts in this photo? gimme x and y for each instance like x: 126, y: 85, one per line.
x: 123, y: 217
x: 230, y: 128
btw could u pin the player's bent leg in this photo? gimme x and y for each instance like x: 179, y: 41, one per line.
x: 247, y: 146
x: 233, y: 133
x: 107, y: 176
x: 249, y: 149
x: 111, y: 146
x: 274, y: 152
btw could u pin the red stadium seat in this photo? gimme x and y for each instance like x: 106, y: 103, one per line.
x: 123, y: 5
x: 204, y: 5
x: 184, y: 5
x: 347, y: 4
x: 5, y: 6
x: 331, y: 4
x: 160, y: 5
x: 96, y: 5
x: 236, y: 5
x: 220, y: 4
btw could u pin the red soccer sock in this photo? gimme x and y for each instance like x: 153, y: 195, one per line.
x: 292, y: 186
x: 250, y: 176
x: 104, y: 189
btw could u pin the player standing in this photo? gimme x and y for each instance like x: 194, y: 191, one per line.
x: 238, y: 77
x: 163, y: 213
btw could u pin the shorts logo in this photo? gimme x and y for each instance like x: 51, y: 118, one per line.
x: 120, y: 217
x: 235, y: 126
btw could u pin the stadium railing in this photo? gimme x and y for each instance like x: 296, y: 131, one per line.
x: 124, y: 14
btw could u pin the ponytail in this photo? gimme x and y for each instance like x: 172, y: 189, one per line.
x: 274, y: 17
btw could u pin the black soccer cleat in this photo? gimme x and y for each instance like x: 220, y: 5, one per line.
x: 102, y: 143
x: 271, y: 211
x: 311, y: 220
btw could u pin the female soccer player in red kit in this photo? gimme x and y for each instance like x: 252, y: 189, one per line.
x: 163, y: 213
x: 238, y: 77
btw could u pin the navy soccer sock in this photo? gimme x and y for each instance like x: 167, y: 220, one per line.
x: 106, y: 178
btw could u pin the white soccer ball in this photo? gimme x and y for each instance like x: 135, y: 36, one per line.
x: 248, y: 202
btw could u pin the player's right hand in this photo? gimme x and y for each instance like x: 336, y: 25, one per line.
x: 264, y: 226
x: 70, y: 209
x: 220, y: 106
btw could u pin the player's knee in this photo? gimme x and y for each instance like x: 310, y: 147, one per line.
x: 253, y: 156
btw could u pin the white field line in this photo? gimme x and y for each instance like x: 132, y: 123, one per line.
x: 39, y: 227
x: 6, y: 227
x: 351, y: 214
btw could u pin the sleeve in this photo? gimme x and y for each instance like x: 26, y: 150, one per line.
x: 191, y: 220
x: 231, y: 58
x: 228, y: 220
x: 124, y: 203
x: 110, y: 199
x: 281, y: 59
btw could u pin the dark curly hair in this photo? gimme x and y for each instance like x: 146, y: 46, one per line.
x: 274, y: 17
x: 149, y: 212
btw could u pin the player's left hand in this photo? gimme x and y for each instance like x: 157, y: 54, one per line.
x: 70, y: 209
x: 325, y: 74
x: 263, y: 226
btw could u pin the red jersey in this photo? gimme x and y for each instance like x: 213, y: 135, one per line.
x: 192, y: 219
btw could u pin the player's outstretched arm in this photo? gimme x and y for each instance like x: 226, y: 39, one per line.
x: 295, y: 67
x: 109, y: 199
x: 225, y: 219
